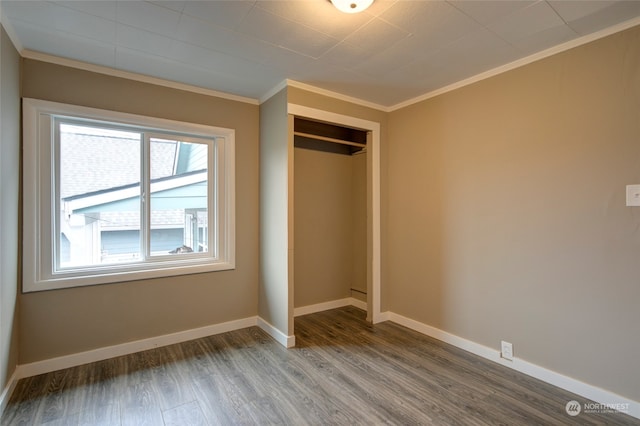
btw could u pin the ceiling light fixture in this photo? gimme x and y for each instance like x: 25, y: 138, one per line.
x: 351, y: 6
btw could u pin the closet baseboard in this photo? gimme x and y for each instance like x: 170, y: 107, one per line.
x: 360, y: 304
x: 277, y: 335
x: 333, y: 304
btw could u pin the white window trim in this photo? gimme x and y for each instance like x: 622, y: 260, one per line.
x: 38, y: 206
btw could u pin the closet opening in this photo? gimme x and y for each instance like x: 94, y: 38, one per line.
x: 330, y: 213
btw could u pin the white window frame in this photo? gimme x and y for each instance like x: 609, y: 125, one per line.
x: 39, y: 204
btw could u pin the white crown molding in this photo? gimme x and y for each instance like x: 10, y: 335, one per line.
x: 462, y: 83
x: 521, y: 62
x: 336, y: 95
x: 310, y: 88
x: 10, y: 31
x: 273, y: 91
x: 100, y: 69
x: 586, y: 390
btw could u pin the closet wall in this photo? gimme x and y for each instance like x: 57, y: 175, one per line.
x: 329, y: 222
x: 9, y: 200
x: 275, y: 305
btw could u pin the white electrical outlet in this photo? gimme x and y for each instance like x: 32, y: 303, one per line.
x: 633, y: 195
x: 507, y: 350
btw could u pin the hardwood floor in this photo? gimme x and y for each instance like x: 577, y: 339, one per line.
x: 343, y: 371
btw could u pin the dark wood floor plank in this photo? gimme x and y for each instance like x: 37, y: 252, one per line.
x: 187, y: 414
x: 70, y: 420
x: 139, y: 405
x: 343, y: 371
x: 217, y: 408
x: 102, y: 413
x: 170, y: 382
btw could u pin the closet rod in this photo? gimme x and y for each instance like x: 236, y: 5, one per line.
x: 327, y: 139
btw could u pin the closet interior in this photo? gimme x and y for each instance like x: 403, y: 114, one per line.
x: 330, y: 212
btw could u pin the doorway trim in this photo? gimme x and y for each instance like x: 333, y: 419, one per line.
x: 373, y: 180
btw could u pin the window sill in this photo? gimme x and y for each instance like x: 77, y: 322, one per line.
x: 67, y: 280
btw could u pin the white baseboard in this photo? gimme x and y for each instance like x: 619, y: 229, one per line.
x: 385, y: 316
x: 325, y: 306
x: 277, y: 335
x: 8, y: 390
x: 72, y: 360
x: 586, y: 390
x: 360, y: 304
x: 53, y: 364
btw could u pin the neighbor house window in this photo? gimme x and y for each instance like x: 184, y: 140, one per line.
x: 111, y: 197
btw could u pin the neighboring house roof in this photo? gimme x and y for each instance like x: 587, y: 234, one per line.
x: 86, y: 157
x: 178, y: 172
x: 116, y: 209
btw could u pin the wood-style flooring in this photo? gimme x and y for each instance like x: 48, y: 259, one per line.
x: 343, y: 371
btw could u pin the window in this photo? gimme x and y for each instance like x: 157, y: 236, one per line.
x: 111, y: 197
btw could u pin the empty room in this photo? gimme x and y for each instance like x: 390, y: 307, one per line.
x: 314, y: 212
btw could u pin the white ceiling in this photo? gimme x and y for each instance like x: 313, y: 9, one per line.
x: 393, y: 52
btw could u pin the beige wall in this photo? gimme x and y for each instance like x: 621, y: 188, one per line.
x: 9, y: 202
x: 507, y: 217
x: 61, y: 322
x: 325, y: 229
x: 275, y: 303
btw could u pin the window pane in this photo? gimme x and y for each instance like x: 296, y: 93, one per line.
x: 179, y: 185
x: 99, y: 196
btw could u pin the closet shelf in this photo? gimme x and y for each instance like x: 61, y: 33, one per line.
x: 328, y: 139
